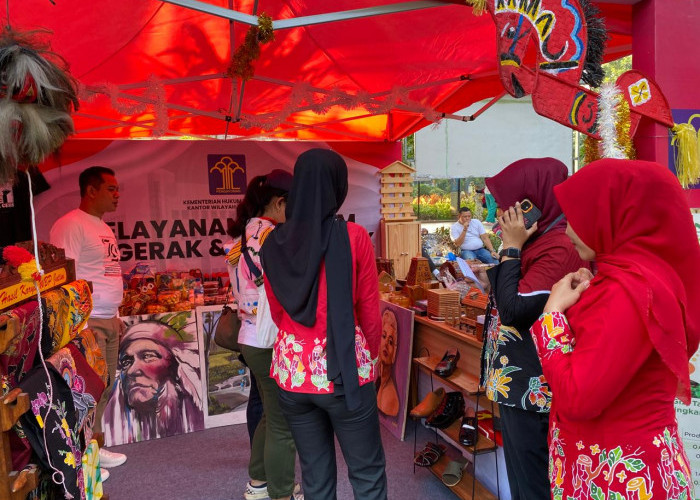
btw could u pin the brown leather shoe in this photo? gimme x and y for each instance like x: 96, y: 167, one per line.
x: 429, y: 404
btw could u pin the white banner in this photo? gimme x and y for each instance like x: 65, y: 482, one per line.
x: 177, y: 197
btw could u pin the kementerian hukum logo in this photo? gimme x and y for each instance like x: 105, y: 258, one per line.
x: 227, y: 174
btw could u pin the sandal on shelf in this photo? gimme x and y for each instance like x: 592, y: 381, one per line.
x: 429, y: 455
x: 453, y: 472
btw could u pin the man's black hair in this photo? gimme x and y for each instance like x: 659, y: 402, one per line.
x: 92, y: 176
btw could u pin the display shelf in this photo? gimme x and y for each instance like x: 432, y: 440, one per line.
x: 468, y: 488
x: 451, y: 433
x: 456, y: 333
x: 459, y: 380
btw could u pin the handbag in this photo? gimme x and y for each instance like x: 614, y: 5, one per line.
x: 265, y: 327
x: 227, y: 328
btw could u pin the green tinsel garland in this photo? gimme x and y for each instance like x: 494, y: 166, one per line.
x: 242, y: 61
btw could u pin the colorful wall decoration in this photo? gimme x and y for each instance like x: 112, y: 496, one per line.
x: 157, y: 390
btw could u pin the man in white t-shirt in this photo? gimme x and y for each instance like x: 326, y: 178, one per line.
x: 87, y: 239
x: 471, y: 238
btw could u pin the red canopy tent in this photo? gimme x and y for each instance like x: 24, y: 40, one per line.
x: 374, y: 70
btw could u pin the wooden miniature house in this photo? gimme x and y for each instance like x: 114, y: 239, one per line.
x: 399, y: 229
x: 396, y: 191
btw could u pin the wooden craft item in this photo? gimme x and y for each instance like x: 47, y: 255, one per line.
x: 418, y: 272
x: 442, y: 301
x: 386, y: 265
x: 386, y: 282
x: 430, y: 285
x: 414, y: 293
x: 397, y: 192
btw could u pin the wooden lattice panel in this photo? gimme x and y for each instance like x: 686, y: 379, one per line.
x: 396, y: 190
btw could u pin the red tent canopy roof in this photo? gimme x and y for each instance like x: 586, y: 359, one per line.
x: 151, y: 68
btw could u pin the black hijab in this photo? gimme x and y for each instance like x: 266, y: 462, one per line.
x: 293, y: 253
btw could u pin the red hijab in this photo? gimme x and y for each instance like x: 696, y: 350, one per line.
x: 635, y: 216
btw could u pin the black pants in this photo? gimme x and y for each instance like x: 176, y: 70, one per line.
x: 314, y: 419
x: 526, y: 452
x: 254, y: 408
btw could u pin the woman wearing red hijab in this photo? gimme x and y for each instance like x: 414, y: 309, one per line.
x: 619, y: 356
x: 532, y: 261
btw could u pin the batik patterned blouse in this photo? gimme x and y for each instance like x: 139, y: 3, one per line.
x: 299, y: 353
x: 511, y: 372
x: 613, y: 433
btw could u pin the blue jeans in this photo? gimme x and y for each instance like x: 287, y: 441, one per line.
x: 482, y: 254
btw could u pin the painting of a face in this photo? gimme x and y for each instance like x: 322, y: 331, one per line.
x: 387, y: 349
x: 145, y: 366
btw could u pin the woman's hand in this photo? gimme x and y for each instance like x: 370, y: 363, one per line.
x: 566, y: 292
x: 514, y: 234
x: 583, y: 274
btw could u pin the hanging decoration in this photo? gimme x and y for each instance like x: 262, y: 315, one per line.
x: 37, y: 95
x: 478, y: 6
x: 686, y: 142
x: 242, y: 61
x: 608, y: 118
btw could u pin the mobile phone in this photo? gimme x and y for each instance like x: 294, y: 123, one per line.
x: 530, y: 213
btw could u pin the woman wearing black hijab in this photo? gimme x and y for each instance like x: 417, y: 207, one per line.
x: 329, y: 330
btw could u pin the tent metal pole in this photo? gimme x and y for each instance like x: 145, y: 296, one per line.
x: 237, y: 16
x: 356, y: 14
x: 208, y: 8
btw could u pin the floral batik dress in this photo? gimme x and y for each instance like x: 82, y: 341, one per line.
x: 613, y: 432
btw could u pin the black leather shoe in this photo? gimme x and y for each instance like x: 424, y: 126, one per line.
x: 447, y: 365
x: 448, y: 412
x: 468, y: 433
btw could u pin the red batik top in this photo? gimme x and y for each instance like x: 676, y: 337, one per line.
x: 613, y: 431
x: 299, y: 353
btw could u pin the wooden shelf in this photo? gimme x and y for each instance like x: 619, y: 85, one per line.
x: 451, y: 331
x: 463, y: 489
x: 459, y: 380
x: 451, y: 433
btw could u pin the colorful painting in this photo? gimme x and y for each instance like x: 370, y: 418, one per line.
x: 394, y: 367
x: 226, y: 381
x: 157, y: 389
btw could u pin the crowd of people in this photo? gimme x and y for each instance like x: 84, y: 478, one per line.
x: 591, y: 323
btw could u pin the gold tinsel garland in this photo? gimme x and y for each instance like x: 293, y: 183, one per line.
x: 478, y: 6
x: 242, y: 61
x: 624, y: 139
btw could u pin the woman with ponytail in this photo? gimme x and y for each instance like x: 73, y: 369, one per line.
x: 272, y: 456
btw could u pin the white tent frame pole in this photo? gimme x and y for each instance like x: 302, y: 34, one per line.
x: 356, y: 14
x: 207, y: 8
x: 234, y: 15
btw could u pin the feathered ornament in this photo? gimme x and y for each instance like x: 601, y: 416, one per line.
x: 37, y: 95
x: 593, y: 72
x: 24, y: 262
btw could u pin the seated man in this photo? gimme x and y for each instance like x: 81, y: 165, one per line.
x: 471, y: 238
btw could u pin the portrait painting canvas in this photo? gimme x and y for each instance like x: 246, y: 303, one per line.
x: 157, y: 390
x: 394, y: 367
x: 226, y: 380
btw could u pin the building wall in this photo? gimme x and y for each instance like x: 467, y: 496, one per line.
x: 506, y: 132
